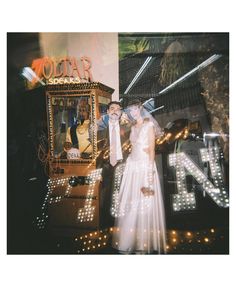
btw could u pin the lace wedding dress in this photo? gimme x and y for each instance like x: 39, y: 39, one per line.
x: 140, y: 223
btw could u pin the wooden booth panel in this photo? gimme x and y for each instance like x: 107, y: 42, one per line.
x: 73, y: 213
x: 73, y: 206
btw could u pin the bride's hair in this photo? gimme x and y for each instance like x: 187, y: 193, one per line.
x: 147, y: 117
x: 136, y: 102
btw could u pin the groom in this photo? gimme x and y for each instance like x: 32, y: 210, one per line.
x: 112, y: 136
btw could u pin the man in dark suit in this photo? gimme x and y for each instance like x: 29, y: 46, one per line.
x: 113, y: 138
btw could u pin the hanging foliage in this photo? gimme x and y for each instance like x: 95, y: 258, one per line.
x: 214, y: 80
x: 132, y: 45
x: 173, y: 63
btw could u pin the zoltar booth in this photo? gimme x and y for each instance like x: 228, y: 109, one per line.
x: 73, y: 188
x: 74, y: 103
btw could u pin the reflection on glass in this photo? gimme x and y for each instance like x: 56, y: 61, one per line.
x: 103, y: 104
x: 72, y: 122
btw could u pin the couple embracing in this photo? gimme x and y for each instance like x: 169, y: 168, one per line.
x: 139, y: 225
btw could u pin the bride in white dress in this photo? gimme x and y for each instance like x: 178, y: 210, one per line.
x: 140, y: 223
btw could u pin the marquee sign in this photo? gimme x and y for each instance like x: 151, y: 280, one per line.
x: 185, y: 200
x: 63, y: 70
x: 215, y: 188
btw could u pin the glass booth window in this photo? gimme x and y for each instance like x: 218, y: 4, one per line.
x: 72, y: 132
x: 103, y: 104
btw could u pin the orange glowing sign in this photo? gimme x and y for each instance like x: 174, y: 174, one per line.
x: 62, y: 70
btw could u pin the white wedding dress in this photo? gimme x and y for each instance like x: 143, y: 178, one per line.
x: 140, y: 223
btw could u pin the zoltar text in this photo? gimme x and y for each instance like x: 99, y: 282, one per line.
x: 64, y: 70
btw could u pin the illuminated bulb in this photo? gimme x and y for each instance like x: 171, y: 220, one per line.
x: 212, y: 230
x: 206, y: 239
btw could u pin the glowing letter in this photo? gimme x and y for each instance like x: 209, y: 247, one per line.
x: 186, y: 201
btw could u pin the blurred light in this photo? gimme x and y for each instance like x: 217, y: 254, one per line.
x: 30, y: 75
x: 137, y: 76
x: 204, y: 64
